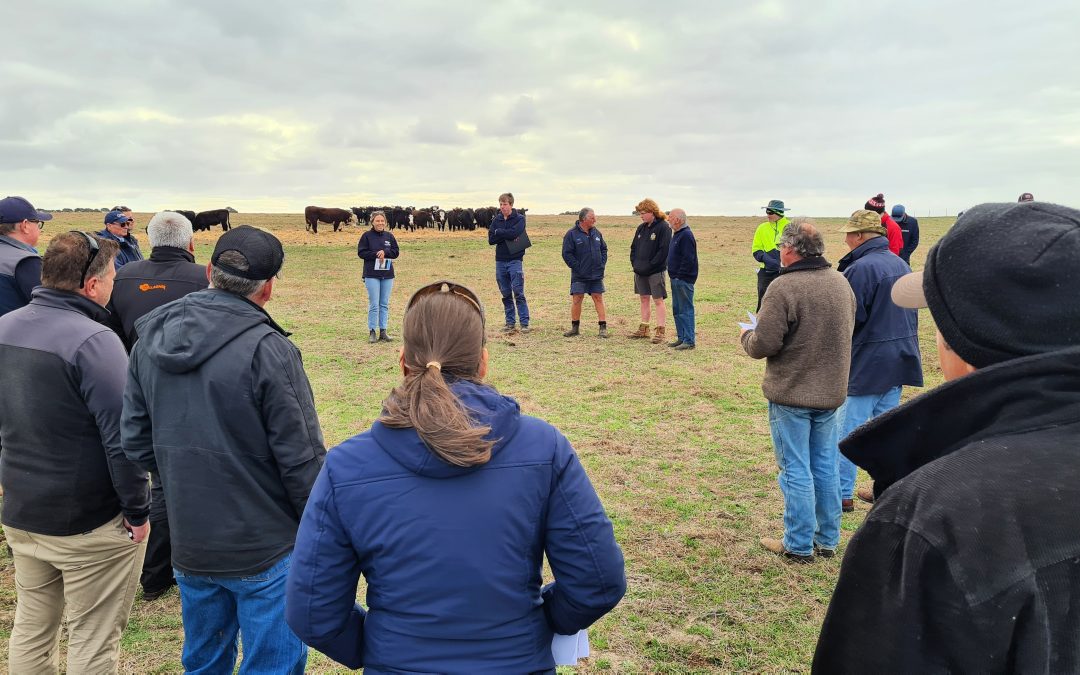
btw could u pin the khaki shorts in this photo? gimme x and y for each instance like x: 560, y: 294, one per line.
x: 652, y: 284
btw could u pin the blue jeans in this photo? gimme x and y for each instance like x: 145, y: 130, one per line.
x: 855, y: 411
x: 214, y: 609
x: 805, y: 443
x: 378, y: 301
x: 511, y: 277
x: 682, y: 308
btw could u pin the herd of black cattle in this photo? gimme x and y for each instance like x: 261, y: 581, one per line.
x: 403, y: 217
x: 397, y: 217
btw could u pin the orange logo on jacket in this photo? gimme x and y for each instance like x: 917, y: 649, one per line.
x: 147, y: 287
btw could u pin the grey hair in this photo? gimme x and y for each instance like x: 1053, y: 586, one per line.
x: 681, y: 215
x: 802, y: 235
x: 169, y: 228
x: 224, y: 281
x: 583, y: 213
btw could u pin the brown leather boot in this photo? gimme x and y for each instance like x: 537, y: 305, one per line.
x: 658, y: 335
x: 641, y: 332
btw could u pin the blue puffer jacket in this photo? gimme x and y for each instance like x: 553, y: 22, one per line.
x: 452, y: 555
x: 885, y: 346
x: 585, y: 253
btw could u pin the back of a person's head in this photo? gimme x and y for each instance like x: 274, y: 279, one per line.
x: 64, y: 262
x: 169, y: 228
x: 443, y: 340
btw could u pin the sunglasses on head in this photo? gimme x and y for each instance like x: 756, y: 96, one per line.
x: 448, y: 287
x: 92, y: 242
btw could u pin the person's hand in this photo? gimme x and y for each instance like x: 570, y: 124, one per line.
x: 138, y: 533
x: 380, y: 254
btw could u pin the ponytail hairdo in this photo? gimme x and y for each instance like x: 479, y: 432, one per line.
x: 444, y: 338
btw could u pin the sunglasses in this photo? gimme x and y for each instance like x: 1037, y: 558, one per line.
x: 40, y: 223
x: 92, y: 242
x: 448, y: 287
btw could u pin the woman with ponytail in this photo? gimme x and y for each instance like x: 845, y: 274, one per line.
x: 447, y: 506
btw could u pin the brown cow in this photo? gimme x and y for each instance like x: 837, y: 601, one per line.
x: 313, y: 215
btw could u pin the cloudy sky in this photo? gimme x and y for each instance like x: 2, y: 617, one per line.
x: 715, y: 106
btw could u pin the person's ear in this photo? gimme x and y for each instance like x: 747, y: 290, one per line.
x: 484, y: 358
x: 191, y: 245
x: 209, y: 269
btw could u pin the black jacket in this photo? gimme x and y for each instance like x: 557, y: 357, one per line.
x: 503, y: 230
x: 64, y: 472
x: 371, y: 242
x: 649, y: 249
x: 218, y: 404
x: 969, y: 561
x: 909, y: 228
x: 585, y: 253
x: 143, y: 285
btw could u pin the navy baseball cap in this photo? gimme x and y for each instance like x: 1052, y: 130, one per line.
x: 18, y: 209
x: 262, y: 250
x: 116, y: 217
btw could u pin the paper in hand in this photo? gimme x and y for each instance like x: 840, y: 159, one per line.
x: 567, y: 649
x: 382, y: 263
x: 753, y: 322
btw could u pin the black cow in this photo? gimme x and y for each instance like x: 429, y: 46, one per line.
x: 399, y: 218
x: 363, y: 215
x: 190, y: 215
x: 421, y: 218
x: 313, y: 215
x: 204, y: 220
x: 484, y: 215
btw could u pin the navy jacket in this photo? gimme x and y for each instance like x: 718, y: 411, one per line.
x: 20, y: 273
x: 909, y: 228
x: 371, y: 242
x: 584, y: 253
x: 218, y: 405
x: 452, y: 555
x: 885, y: 346
x: 503, y: 230
x: 682, y: 256
x: 129, y: 248
x: 169, y: 274
x: 64, y: 471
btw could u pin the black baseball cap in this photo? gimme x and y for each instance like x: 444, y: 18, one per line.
x: 262, y: 250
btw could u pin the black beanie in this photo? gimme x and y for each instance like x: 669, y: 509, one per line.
x: 876, y: 203
x: 1004, y: 282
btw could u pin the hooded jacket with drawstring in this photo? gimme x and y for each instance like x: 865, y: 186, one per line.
x: 217, y: 403
x: 452, y: 555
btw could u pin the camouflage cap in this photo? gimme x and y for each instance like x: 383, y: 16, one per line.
x: 864, y: 220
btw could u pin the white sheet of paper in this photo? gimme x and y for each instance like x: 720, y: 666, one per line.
x: 567, y: 649
x: 752, y: 324
x: 382, y: 263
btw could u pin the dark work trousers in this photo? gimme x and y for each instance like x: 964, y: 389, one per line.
x: 157, y: 574
x: 763, y: 280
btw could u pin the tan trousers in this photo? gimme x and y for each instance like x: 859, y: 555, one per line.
x: 90, y: 579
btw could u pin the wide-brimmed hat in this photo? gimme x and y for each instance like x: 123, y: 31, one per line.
x: 864, y: 220
x: 776, y: 205
x: 1001, y: 283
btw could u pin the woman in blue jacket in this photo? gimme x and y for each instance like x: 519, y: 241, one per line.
x: 377, y: 248
x: 447, y: 506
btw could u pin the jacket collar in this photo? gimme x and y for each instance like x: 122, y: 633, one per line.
x: 875, y: 245
x: 270, y: 319
x: 1010, y: 397
x: 17, y: 244
x: 579, y: 228
x: 815, y: 263
x: 170, y: 254
x: 129, y: 240
x: 70, y: 301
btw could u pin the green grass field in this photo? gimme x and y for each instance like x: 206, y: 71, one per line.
x: 676, y: 443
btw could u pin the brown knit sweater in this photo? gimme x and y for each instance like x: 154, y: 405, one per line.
x: 804, y: 332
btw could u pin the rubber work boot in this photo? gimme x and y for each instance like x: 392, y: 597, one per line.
x: 641, y: 332
x: 383, y: 337
x: 776, y: 546
x: 658, y: 335
x: 371, y: 336
x: 572, y: 332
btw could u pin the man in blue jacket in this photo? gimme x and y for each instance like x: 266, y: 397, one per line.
x: 885, y: 346
x: 218, y: 405
x: 683, y: 270
x: 118, y: 228
x: 20, y: 263
x: 909, y: 228
x: 507, y: 226
x: 585, y: 252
